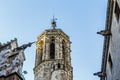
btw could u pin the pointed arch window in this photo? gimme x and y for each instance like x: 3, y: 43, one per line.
x: 40, y: 55
x: 110, y: 62
x: 117, y: 11
x: 52, y: 50
x: 63, y: 48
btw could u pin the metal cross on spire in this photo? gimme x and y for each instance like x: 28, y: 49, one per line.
x: 53, y: 23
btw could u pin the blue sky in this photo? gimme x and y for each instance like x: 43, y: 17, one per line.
x: 80, y: 19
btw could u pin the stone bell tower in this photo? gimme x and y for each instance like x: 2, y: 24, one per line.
x: 53, y: 61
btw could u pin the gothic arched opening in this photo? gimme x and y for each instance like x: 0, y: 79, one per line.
x: 52, y: 50
x: 63, y: 48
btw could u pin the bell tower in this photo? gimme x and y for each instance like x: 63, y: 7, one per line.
x: 53, y: 61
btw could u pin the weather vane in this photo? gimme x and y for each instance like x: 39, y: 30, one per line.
x: 53, y: 22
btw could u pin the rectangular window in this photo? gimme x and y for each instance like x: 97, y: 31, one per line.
x: 117, y: 11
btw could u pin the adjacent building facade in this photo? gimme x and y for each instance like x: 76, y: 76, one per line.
x: 11, y: 61
x: 53, y: 61
x: 110, y: 68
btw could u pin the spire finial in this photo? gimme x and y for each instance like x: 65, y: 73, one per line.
x: 53, y: 23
